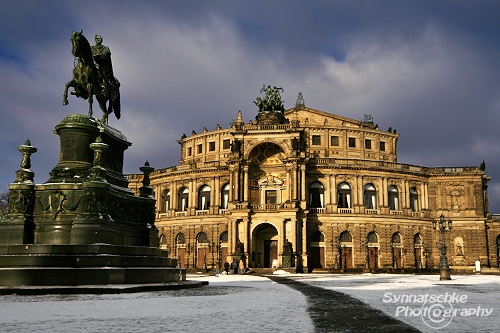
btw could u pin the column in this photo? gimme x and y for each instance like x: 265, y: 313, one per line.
x: 288, y: 185
x: 406, y: 197
x: 384, y: 192
x: 245, y: 183
x: 230, y: 242
x: 244, y: 224
x: 334, y: 191
x: 231, y: 183
x: 327, y: 192
x: 173, y: 196
x: 304, y: 243
x: 303, y: 182
x: 192, y: 194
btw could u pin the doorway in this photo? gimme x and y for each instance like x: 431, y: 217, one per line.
x: 264, y: 245
x: 270, y: 252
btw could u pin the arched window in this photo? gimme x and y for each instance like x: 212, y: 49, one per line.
x: 345, y: 237
x: 393, y: 198
x: 370, y: 195
x: 224, y: 198
x: 396, y: 238
x: 317, y: 236
x: 180, y: 239
x: 166, y: 200
x: 413, y: 199
x: 183, y: 199
x: 344, y: 196
x: 204, y: 197
x: 316, y: 195
x: 372, y: 237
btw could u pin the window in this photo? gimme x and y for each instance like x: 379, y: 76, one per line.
x: 224, y: 200
x: 211, y: 146
x: 183, y: 199
x: 414, y: 199
x: 271, y: 197
x: 226, y: 144
x: 204, y: 197
x: 200, y: 149
x: 370, y: 194
x: 352, y: 142
x: 382, y: 146
x: 372, y: 237
x: 368, y: 144
x: 166, y: 200
x: 345, y: 237
x: 316, y: 140
x: 396, y: 238
x: 344, y: 196
x: 189, y: 151
x: 334, y: 141
x: 316, y: 193
x: 393, y: 198
x: 317, y: 237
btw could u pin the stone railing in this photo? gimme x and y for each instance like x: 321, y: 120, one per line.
x: 183, y: 213
x: 317, y: 210
x: 371, y: 211
x: 344, y: 210
x: 396, y: 212
x: 266, y: 127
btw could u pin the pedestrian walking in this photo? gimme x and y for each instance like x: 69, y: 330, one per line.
x: 226, y: 267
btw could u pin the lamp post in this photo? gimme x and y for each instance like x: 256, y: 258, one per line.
x: 444, y: 269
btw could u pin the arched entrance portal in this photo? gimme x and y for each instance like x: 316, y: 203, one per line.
x: 264, y: 245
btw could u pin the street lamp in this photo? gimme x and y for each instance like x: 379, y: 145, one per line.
x: 444, y: 269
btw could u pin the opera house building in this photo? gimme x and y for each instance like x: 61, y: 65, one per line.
x: 308, y: 190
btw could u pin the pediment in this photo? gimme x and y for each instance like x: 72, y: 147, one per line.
x: 313, y: 117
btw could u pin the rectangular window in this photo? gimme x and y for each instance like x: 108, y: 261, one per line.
x: 334, y: 141
x: 271, y: 197
x: 189, y: 151
x: 352, y: 142
x: 211, y: 146
x: 200, y: 149
x: 368, y: 144
x: 382, y: 146
x: 316, y: 140
x: 226, y: 144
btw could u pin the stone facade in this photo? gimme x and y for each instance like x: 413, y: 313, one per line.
x: 314, y: 190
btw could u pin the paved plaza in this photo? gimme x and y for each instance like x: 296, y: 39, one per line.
x: 276, y: 303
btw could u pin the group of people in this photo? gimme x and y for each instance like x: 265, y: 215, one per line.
x: 231, y: 268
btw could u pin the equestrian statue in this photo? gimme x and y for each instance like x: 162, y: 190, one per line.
x: 93, y: 76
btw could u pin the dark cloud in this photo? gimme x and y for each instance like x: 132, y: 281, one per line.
x: 427, y: 68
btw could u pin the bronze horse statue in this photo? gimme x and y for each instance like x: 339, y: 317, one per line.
x: 88, y: 80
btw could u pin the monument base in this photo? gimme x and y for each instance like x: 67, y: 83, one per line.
x: 93, y: 264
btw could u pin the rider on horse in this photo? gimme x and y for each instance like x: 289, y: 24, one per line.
x: 102, y: 58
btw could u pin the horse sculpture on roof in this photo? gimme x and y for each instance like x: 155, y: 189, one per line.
x: 90, y: 78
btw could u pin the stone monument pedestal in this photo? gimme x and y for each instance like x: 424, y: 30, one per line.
x: 84, y: 225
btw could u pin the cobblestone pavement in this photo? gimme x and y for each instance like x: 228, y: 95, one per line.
x: 333, y: 311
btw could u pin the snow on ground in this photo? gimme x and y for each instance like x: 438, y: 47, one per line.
x: 248, y: 303
x: 230, y: 303
x: 467, y: 303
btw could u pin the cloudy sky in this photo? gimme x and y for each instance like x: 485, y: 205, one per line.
x: 429, y: 69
